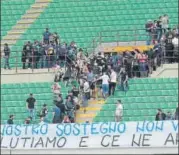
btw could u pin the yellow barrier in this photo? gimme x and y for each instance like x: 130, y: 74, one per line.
x: 126, y: 48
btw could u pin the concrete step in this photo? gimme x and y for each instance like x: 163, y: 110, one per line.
x: 39, y: 5
x: 34, y: 10
x: 30, y: 16
x: 11, y: 37
x: 9, y: 42
x: 83, y: 120
x: 87, y: 112
x: 43, y: 1
x: 25, y: 21
x: 21, y: 26
x: 15, y: 32
x: 90, y: 109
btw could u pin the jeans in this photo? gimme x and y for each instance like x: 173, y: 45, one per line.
x: 105, y: 88
x: 142, y: 69
x: 159, y: 34
x: 6, y: 62
x: 31, y: 113
x: 43, y: 61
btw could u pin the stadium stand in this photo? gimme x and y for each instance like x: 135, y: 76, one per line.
x: 11, y: 12
x: 142, y: 100
x: 81, y: 21
x: 13, y: 100
x: 145, y: 95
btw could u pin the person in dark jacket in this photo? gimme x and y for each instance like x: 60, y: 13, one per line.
x: 7, y: 52
x: 10, y: 120
x: 23, y: 59
x: 160, y: 115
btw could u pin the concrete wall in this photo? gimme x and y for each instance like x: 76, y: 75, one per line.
x: 166, y: 71
x: 143, y: 150
x: 24, y: 76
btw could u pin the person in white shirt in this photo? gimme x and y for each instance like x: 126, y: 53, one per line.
x: 105, y: 84
x: 165, y: 22
x: 113, y: 80
x: 56, y: 90
x: 119, y: 111
x: 86, y: 94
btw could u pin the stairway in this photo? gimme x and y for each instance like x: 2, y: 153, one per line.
x: 24, y: 23
x: 94, y: 106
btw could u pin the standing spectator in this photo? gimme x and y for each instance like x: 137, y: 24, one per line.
x: 105, y: 84
x: 90, y: 78
x: 44, y: 112
x: 119, y: 111
x: 176, y: 114
x: 28, y: 120
x: 142, y: 59
x: 46, y: 36
x: 58, y: 73
x: 165, y: 22
x: 159, y: 29
x: 70, y: 109
x: 124, y: 80
x: 31, y: 101
x: 160, y: 115
x: 28, y: 52
x: 113, y: 80
x: 60, y: 105
x: 75, y: 91
x: 149, y: 29
x: 56, y: 114
x: 23, y: 59
x: 10, y: 120
x: 56, y: 90
x: 86, y: 95
x: 7, y: 52
x: 169, y: 116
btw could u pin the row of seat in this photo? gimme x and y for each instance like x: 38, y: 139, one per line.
x: 147, y: 93
x: 21, y: 103
x: 132, y: 118
x: 141, y: 106
x: 11, y: 12
x: 153, y: 80
x: 168, y: 86
x: 128, y: 113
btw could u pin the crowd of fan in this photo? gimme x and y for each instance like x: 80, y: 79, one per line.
x: 159, y: 32
x: 98, y: 75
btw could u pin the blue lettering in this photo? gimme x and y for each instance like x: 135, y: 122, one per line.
x: 3, y: 130
x: 103, y: 129
x: 76, y: 130
x: 17, y: 130
x: 140, y: 126
x: 121, y: 128
x: 84, y: 128
x: 150, y: 126
x: 59, y: 131
x: 44, y: 129
x: 159, y: 126
x: 112, y: 127
x: 175, y: 125
x: 35, y: 129
x: 93, y: 128
x: 26, y: 128
x: 9, y: 130
x: 67, y: 129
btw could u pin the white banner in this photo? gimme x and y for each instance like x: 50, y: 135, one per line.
x: 94, y: 135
